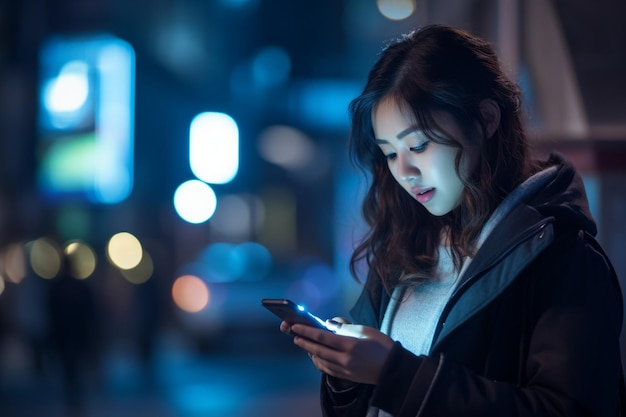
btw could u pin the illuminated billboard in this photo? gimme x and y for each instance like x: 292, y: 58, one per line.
x: 86, y: 119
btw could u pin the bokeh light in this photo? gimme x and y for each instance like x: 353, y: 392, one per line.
x: 14, y: 263
x: 279, y: 229
x: 271, y: 66
x: 248, y: 4
x: 233, y: 217
x: 214, y: 147
x: 82, y: 259
x: 45, y: 258
x: 222, y: 262
x: 124, y: 250
x: 69, y: 91
x: 140, y: 273
x: 258, y: 261
x: 316, y: 283
x: 190, y: 293
x: 286, y: 146
x: 195, y: 201
x: 226, y: 262
x: 396, y: 9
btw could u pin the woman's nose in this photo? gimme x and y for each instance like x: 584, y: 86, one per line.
x: 407, y: 168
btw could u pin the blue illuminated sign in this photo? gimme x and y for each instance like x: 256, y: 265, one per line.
x: 86, y: 119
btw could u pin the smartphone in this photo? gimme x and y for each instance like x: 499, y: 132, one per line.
x: 293, y: 313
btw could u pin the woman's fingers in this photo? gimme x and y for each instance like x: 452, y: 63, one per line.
x: 330, y: 368
x: 339, y: 320
x: 355, y: 352
x: 318, y: 348
x: 327, y: 338
x: 285, y: 327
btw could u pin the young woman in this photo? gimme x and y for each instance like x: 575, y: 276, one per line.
x: 486, y: 294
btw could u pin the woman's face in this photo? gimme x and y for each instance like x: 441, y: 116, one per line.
x: 424, y: 168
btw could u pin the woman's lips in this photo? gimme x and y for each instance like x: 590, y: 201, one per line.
x: 423, y: 195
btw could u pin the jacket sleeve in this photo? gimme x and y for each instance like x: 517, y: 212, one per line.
x: 354, y: 401
x: 573, y: 365
x: 351, y: 401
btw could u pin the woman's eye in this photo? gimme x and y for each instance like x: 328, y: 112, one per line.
x: 390, y: 156
x: 420, y: 148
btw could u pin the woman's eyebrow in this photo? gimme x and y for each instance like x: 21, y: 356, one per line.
x: 400, y: 135
x: 406, y: 132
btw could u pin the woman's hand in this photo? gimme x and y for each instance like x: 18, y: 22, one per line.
x: 354, y: 352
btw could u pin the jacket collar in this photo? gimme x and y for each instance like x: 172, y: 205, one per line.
x: 496, y: 266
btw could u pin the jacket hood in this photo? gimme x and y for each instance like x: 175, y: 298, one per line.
x: 564, y: 196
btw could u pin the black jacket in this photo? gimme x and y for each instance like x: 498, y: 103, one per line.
x: 532, y: 329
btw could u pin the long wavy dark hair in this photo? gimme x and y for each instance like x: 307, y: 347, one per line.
x: 435, y: 68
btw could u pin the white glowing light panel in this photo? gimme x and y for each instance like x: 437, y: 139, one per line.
x: 214, y: 147
x: 86, y: 119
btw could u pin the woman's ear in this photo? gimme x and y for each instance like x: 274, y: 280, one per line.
x: 490, y: 112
